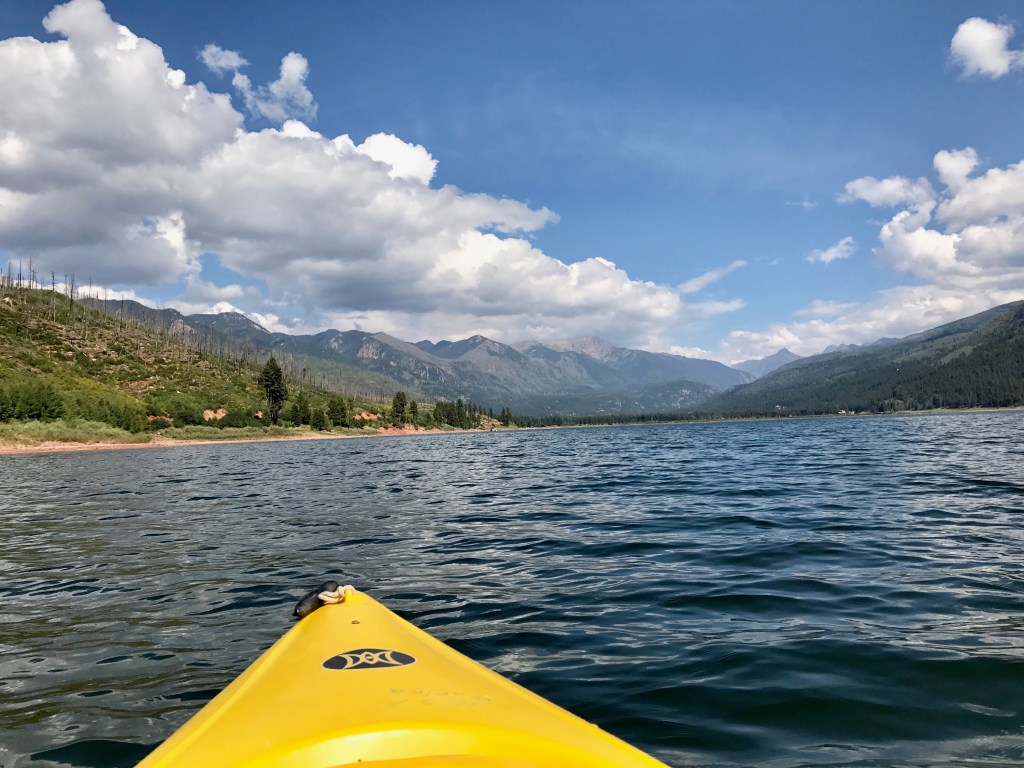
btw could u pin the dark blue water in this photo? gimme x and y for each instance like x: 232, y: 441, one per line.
x: 841, y: 592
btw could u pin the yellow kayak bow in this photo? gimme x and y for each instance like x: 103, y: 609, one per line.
x: 354, y: 684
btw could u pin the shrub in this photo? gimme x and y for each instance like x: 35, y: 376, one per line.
x: 318, y: 420
x: 238, y: 416
x: 35, y: 401
x: 6, y: 406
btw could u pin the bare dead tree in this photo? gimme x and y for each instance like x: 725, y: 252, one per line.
x: 85, y: 314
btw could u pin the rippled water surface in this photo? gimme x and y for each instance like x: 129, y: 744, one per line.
x: 844, y: 592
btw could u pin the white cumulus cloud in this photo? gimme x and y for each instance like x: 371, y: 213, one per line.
x: 278, y: 101
x: 406, y: 161
x: 220, y: 60
x: 841, y: 250
x: 954, y: 166
x: 895, y: 190
x: 968, y: 233
x: 281, y: 99
x: 114, y: 168
x: 981, y: 47
x: 962, y: 242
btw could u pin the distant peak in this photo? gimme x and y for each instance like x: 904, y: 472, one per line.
x: 381, y: 336
x: 762, y: 366
x: 838, y: 348
x: 230, y: 319
x: 591, y: 346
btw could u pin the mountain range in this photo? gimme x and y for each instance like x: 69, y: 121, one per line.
x: 970, y: 361
x: 582, y: 376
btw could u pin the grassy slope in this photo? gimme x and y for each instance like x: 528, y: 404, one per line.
x: 238, y: 332
x: 84, y: 352
x: 100, y: 364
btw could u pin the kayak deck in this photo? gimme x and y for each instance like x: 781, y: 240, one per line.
x: 354, y: 683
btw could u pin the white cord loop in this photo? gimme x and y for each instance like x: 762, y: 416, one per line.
x: 328, y: 593
x: 337, y: 596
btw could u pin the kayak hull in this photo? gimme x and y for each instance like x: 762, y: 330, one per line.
x: 353, y: 683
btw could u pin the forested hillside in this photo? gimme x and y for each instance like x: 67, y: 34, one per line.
x: 63, y: 359
x: 974, y: 362
x: 230, y: 334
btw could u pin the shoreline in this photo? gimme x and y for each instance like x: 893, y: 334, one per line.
x: 161, y: 441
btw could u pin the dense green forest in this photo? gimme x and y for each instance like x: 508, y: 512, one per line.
x: 974, y: 362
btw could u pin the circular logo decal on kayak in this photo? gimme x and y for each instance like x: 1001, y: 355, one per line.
x: 368, y: 658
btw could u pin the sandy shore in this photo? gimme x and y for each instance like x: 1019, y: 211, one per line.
x: 160, y: 441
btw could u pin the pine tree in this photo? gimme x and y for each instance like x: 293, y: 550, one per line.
x: 398, y: 409
x: 337, y: 412
x: 318, y: 419
x: 305, y: 413
x: 293, y: 414
x: 271, y: 381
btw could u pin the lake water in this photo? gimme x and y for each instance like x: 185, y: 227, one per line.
x: 831, y: 592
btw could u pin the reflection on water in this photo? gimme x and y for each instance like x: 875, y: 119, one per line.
x: 790, y: 593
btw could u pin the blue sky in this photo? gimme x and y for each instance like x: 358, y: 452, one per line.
x: 674, y: 140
